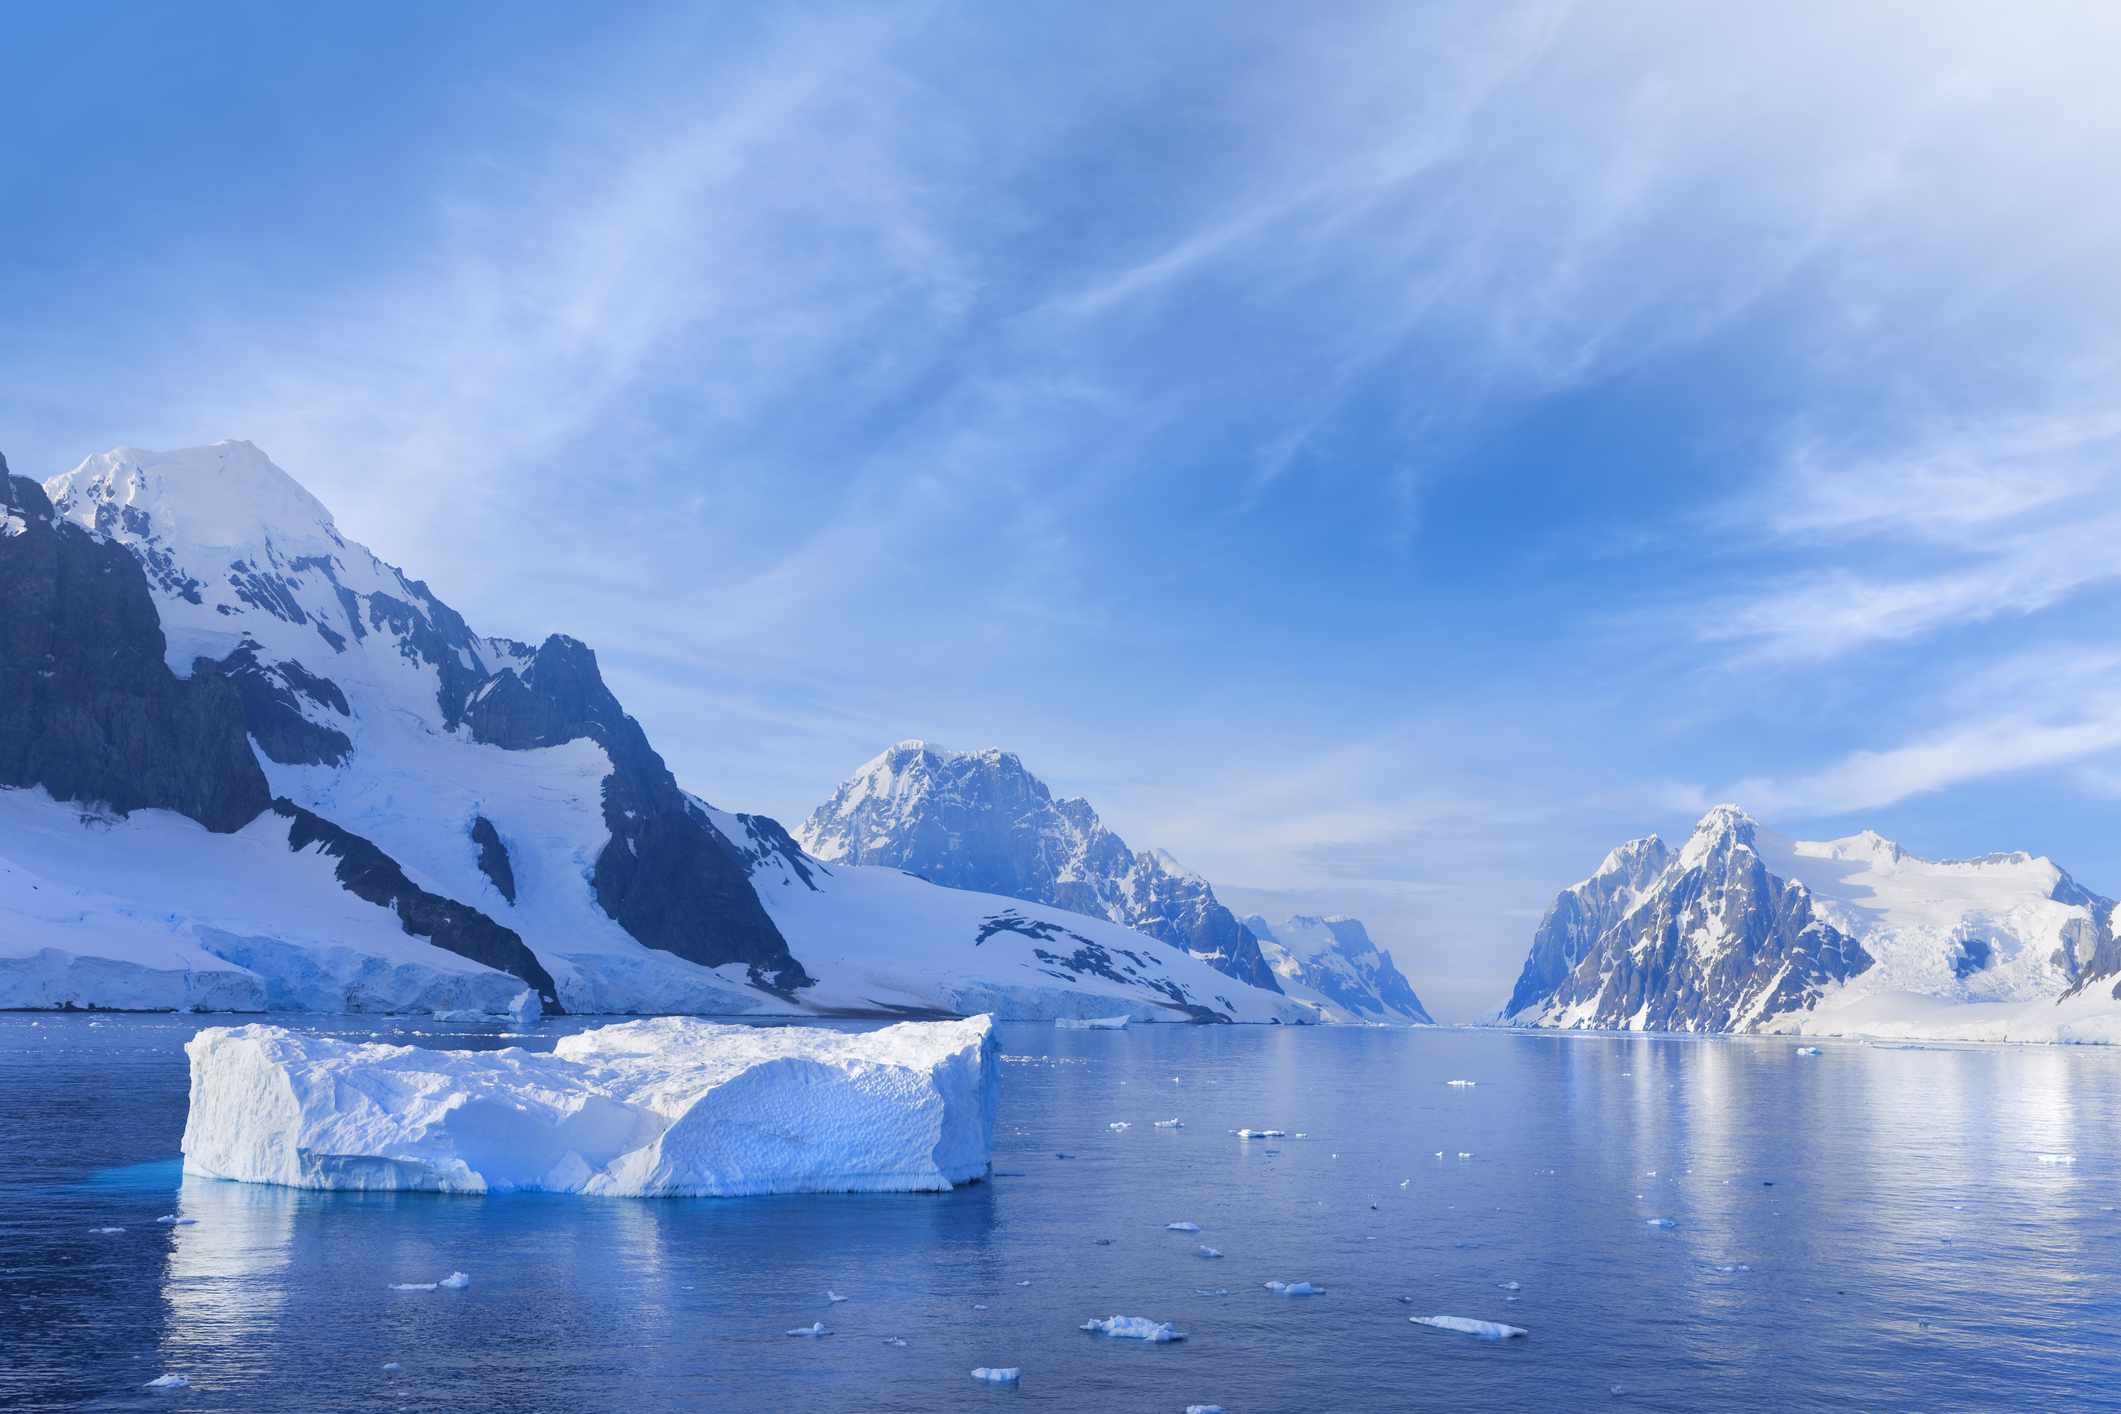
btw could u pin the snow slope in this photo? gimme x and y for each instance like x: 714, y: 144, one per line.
x: 664, y: 1108
x: 153, y: 911
x: 882, y: 939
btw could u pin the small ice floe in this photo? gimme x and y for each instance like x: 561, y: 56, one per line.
x: 168, y: 1382
x: 1294, y: 1288
x: 1510, y: 1285
x: 1204, y: 1409
x: 1404, y: 1182
x: 1807, y: 1050
x: 833, y: 1296
x: 2054, y: 1158
x: 979, y: 1305
x: 455, y: 1281
x: 1463, y: 1154
x: 1119, y: 1126
x: 895, y: 1340
x: 1136, y: 1328
x: 1025, y: 1282
x: 1262, y: 1134
x: 1211, y: 1253
x: 1439, y: 1153
x: 1008, y: 1376
x: 1170, y: 1124
x: 105, y: 1231
x: 1732, y: 1268
x: 1092, y: 1023
x: 1660, y: 1222
x: 1211, y: 1291
x: 1461, y: 1084
x: 391, y: 1367
x: 172, y: 1220
x: 1182, y: 1227
x: 812, y: 1331
x: 1466, y: 1325
x: 414, y: 1285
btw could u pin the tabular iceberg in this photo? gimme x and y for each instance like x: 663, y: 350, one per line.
x: 670, y: 1107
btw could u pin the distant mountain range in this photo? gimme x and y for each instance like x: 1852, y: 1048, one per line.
x: 246, y: 764
x: 1743, y: 930
x: 980, y: 820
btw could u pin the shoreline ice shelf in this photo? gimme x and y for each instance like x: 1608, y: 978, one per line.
x: 671, y: 1107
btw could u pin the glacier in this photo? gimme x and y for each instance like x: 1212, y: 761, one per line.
x: 670, y: 1107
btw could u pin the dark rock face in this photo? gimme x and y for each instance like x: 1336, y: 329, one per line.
x: 980, y: 821
x: 272, y: 708
x: 1582, y: 915
x: 368, y: 873
x: 667, y: 876
x: 493, y: 857
x: 2092, y: 948
x: 1713, y: 943
x: 88, y: 708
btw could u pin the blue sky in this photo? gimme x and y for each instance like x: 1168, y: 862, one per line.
x: 1384, y: 457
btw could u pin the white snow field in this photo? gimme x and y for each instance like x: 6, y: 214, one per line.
x: 671, y: 1107
x: 154, y: 911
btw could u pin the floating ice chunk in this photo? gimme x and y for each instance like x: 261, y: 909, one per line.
x: 811, y: 1332
x: 1008, y: 1376
x: 415, y: 1285
x: 1210, y: 1253
x: 455, y: 1281
x: 1136, y: 1328
x: 1170, y: 1124
x: 172, y: 1220
x: 1260, y: 1134
x: 1204, y: 1409
x: 1293, y: 1288
x: 1807, y: 1050
x: 833, y: 1296
x: 1729, y: 1269
x: 1211, y: 1291
x: 1025, y: 1282
x: 168, y: 1382
x: 1119, y: 1126
x: 1461, y: 1084
x: 1091, y: 1023
x: 1661, y: 1222
x: 2054, y: 1158
x: 665, y: 1107
x: 1463, y: 1154
x: 1466, y: 1325
x: 897, y: 1340
x: 1510, y: 1285
x: 1182, y: 1227
x: 391, y: 1367
x: 105, y: 1231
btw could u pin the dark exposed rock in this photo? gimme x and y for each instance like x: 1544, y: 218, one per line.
x: 1582, y: 915
x: 273, y: 712
x: 88, y: 708
x: 368, y: 873
x: 493, y: 857
x: 1711, y: 942
x: 667, y: 875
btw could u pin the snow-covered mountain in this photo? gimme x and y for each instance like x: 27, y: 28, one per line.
x: 1744, y: 930
x: 245, y: 763
x: 1332, y: 963
x: 979, y: 820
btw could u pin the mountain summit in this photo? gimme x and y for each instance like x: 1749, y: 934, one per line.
x: 1743, y: 930
x: 979, y: 820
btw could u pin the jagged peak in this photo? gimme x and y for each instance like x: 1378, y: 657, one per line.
x: 222, y: 496
x: 1166, y: 861
x: 1723, y: 827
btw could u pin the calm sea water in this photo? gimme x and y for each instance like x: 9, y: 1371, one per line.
x: 1870, y: 1228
